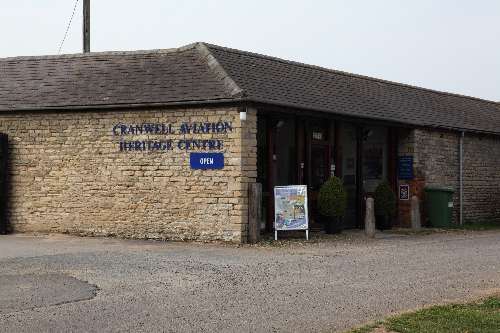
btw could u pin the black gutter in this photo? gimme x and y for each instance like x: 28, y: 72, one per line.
x: 381, y: 119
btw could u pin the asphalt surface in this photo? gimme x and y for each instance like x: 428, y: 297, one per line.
x: 61, y: 283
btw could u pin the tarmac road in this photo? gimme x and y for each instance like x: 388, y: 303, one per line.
x: 60, y: 283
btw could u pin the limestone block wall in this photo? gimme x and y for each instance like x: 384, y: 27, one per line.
x: 127, y: 173
x: 436, y: 162
x: 481, y: 178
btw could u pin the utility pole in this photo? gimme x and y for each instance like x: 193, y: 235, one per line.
x: 86, y: 26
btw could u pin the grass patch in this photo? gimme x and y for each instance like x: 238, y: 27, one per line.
x: 468, y: 226
x: 366, y: 329
x: 481, y: 225
x: 477, y: 317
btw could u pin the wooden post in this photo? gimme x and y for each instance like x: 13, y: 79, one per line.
x: 254, y: 211
x: 86, y: 26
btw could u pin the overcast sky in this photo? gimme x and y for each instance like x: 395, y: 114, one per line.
x: 449, y: 45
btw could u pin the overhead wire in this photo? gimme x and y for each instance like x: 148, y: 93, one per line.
x: 67, y: 27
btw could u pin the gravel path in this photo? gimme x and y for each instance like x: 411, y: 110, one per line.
x: 61, y: 283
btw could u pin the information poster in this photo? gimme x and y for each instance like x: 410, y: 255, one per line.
x: 290, y: 207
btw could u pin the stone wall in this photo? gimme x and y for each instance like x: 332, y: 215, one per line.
x: 481, y: 178
x: 80, y: 173
x: 436, y: 162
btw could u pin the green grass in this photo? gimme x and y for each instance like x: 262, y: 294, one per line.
x: 480, y: 225
x: 478, y: 317
x: 367, y: 328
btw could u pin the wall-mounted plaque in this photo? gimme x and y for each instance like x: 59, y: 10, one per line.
x: 404, y: 192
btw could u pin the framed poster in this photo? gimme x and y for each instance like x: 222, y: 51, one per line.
x: 290, y: 209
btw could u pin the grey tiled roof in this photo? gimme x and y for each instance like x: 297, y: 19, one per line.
x: 204, y: 73
x: 278, y: 81
x: 110, y: 78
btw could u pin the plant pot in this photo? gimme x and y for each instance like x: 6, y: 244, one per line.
x: 332, y: 225
x: 383, y: 222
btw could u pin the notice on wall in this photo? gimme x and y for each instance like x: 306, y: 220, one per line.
x: 290, y: 208
x: 404, y: 192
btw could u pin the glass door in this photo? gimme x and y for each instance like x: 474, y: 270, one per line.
x: 318, y: 166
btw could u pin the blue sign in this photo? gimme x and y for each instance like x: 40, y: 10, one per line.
x: 405, y: 167
x: 206, y: 161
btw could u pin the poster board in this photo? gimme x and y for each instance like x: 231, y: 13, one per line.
x: 290, y: 209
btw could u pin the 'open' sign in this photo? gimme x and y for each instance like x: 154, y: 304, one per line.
x: 206, y: 161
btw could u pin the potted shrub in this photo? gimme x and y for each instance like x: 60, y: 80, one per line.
x: 385, y: 206
x: 332, y: 202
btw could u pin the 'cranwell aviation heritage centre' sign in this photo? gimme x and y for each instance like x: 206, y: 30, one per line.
x: 202, y: 161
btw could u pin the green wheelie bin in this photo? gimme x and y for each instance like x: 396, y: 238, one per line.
x: 439, y: 202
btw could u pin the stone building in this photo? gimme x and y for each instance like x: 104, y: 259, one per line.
x: 163, y: 143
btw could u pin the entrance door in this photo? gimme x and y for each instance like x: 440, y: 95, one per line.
x: 318, y: 166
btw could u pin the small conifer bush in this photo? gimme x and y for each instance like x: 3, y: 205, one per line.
x: 332, y: 198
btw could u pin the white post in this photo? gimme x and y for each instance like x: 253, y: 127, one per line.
x: 370, y: 218
x: 415, y: 213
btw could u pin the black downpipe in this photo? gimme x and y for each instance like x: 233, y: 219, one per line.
x: 4, y: 184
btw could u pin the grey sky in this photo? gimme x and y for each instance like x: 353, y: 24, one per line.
x: 449, y: 45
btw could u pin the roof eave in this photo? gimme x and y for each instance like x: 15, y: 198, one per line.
x: 361, y: 117
x: 122, y: 105
x: 238, y: 100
